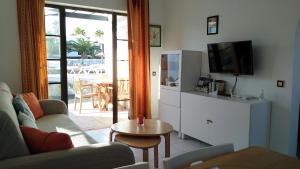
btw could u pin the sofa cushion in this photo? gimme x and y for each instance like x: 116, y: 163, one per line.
x: 63, y: 124
x: 10, y: 134
x: 21, y: 106
x: 25, y: 120
x: 34, y: 104
x: 40, y: 142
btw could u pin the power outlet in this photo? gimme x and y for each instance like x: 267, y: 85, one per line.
x: 280, y: 83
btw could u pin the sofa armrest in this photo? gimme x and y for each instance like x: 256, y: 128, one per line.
x: 95, y: 156
x: 53, y: 107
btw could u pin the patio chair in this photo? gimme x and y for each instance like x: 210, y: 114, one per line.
x: 83, y: 90
x: 123, y: 94
x: 105, y: 94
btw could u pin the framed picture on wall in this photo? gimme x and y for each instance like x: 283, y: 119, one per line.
x: 212, y: 25
x: 155, y: 35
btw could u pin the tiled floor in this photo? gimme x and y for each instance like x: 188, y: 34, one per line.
x: 91, y: 118
x: 178, y: 146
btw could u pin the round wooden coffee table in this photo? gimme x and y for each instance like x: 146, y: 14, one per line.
x: 143, y: 143
x: 151, y: 128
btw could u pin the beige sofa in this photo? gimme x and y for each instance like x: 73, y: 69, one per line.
x: 14, y: 153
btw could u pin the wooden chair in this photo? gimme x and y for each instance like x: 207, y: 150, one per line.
x: 104, y: 91
x: 83, y: 90
x: 143, y: 143
x: 190, y: 159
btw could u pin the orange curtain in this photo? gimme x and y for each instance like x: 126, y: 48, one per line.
x: 33, y: 47
x: 139, y: 57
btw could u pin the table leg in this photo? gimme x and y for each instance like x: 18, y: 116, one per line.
x: 111, y: 135
x: 99, y: 99
x: 156, y: 156
x: 167, y: 145
x: 145, y: 155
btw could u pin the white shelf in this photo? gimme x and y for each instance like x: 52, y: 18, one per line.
x: 189, y: 70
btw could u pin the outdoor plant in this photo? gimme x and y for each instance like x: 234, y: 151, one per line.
x: 82, y: 44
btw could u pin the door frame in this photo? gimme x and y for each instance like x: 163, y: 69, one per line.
x: 63, y: 46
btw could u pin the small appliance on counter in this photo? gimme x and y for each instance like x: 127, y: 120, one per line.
x: 220, y: 87
x: 204, y: 84
x: 209, y: 85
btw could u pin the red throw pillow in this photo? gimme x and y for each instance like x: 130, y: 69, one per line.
x: 34, y: 104
x: 40, y: 142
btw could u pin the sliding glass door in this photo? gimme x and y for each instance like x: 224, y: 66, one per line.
x: 53, y: 42
x: 87, y: 53
x: 122, y: 67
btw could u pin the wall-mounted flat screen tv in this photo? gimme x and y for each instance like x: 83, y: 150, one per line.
x: 231, y: 57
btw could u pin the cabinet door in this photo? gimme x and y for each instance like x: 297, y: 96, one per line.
x: 170, y: 114
x: 230, y: 123
x: 170, y: 70
x: 170, y: 97
x: 194, y: 115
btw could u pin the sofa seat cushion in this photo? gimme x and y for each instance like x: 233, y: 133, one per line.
x: 63, y: 124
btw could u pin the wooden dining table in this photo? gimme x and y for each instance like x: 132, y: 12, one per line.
x: 251, y: 158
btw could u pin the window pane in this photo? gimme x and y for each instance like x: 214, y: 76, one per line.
x: 123, y: 110
x: 89, y: 35
x: 122, y: 50
x: 53, y: 47
x: 123, y: 89
x: 54, y: 91
x: 123, y: 70
x: 52, y: 21
x: 53, y: 71
x: 122, y: 29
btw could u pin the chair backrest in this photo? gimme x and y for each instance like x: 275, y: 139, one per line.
x: 141, y: 165
x: 186, y: 159
x: 77, y: 85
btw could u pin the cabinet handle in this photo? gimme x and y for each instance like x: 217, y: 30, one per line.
x: 209, y: 121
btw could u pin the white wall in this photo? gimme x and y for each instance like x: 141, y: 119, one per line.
x: 270, y: 24
x: 156, y: 18
x: 10, y: 63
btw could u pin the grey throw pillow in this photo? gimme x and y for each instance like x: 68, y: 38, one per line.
x: 21, y: 106
x: 25, y: 120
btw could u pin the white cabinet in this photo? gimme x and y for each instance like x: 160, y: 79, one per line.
x: 217, y: 120
x: 180, y: 71
x: 170, y: 114
x: 170, y: 97
x: 193, y: 123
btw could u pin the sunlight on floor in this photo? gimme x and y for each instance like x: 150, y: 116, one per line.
x: 92, y: 118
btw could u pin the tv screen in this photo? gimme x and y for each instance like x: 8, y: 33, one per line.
x: 231, y: 57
